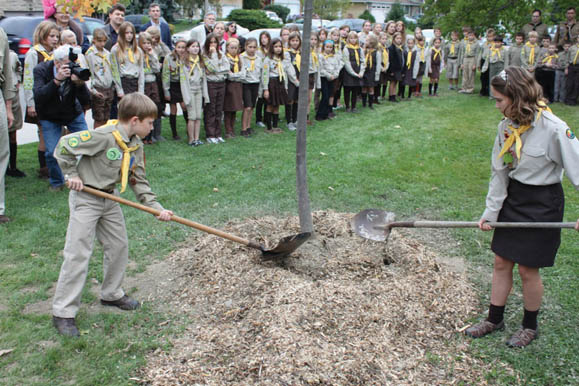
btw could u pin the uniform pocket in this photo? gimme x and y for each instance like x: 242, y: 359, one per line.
x: 534, y: 151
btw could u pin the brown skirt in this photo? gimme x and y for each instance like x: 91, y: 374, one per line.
x: 130, y: 85
x: 435, y: 74
x: 175, y: 92
x: 277, y: 93
x: 233, y: 96
x: 152, y: 91
x: 312, y: 81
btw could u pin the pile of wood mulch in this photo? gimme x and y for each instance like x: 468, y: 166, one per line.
x: 341, y: 310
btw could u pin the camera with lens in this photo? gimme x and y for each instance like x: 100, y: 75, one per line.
x: 75, y: 68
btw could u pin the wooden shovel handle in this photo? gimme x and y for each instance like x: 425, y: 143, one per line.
x: 473, y: 224
x: 180, y: 220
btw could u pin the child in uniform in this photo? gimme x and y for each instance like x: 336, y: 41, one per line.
x: 548, y: 62
x: 451, y: 60
x: 295, y: 58
x: 497, y: 60
x: 172, y: 84
x: 572, y: 73
x: 127, y: 62
x: 101, y: 84
x: 530, y: 53
x: 419, y: 64
x: 372, y: 70
x: 46, y: 38
x: 252, y: 65
x: 161, y: 50
x: 409, y: 58
x: 336, y: 83
x: 562, y: 63
x: 275, y: 81
x: 313, y: 72
x: 483, y: 58
x: 105, y: 154
x: 396, y: 66
x: 233, y: 86
x: 194, y: 90
x: 468, y: 58
x: 330, y: 66
x: 151, y: 67
x: 16, y: 68
x: 264, y: 39
x: 434, y: 65
x: 217, y: 68
x: 383, y: 45
x: 515, y: 50
x: 354, y: 65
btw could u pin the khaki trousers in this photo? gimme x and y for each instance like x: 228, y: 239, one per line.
x: 4, y: 151
x: 468, y: 74
x: 91, y: 216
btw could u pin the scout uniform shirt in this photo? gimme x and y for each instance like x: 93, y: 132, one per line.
x: 470, y: 50
x: 451, y: 50
x: 130, y: 67
x: 151, y: 67
x: 193, y: 81
x: 497, y: 55
x: 276, y: 68
x: 35, y: 55
x: 330, y: 66
x: 6, y: 82
x: 100, y: 161
x: 235, y: 63
x: 99, y: 64
x: 573, y: 58
x: 253, y: 67
x: 530, y: 55
x: 217, y: 69
x: 515, y: 55
x: 548, y: 147
x: 170, y: 73
x: 161, y: 50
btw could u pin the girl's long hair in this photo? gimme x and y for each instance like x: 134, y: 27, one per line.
x: 265, y: 49
x: 270, y: 54
x: 190, y: 42
x: 208, y: 40
x: 42, y: 31
x: 522, y: 89
x: 124, y: 45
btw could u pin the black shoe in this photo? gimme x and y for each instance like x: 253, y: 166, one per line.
x: 15, y: 173
x: 65, y: 326
x: 124, y: 303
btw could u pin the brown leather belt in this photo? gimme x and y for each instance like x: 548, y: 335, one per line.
x: 109, y: 191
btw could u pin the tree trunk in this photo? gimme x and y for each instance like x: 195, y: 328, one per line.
x: 305, y: 213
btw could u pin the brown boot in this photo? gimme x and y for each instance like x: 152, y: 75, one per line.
x: 65, y: 326
x: 523, y: 337
x: 483, y: 328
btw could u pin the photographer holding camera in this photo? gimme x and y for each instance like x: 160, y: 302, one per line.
x: 60, y: 94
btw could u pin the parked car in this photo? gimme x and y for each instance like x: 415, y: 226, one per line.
x: 273, y: 16
x: 186, y: 35
x: 89, y: 24
x: 317, y: 24
x: 354, y: 24
x: 274, y: 32
x: 140, y: 20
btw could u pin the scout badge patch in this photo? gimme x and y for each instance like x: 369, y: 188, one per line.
x: 73, y: 141
x: 570, y: 134
x: 85, y: 136
x: 114, y: 154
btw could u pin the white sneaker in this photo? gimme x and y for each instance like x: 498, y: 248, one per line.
x: 220, y: 140
x: 291, y: 126
x: 211, y: 140
x: 260, y: 124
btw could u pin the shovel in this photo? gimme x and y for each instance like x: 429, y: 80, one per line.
x: 285, y: 246
x: 376, y: 224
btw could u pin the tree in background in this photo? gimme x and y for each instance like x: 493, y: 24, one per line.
x: 330, y: 9
x: 366, y: 15
x: 396, y: 13
x: 252, y: 19
x: 280, y: 10
x: 504, y: 15
x: 251, y: 4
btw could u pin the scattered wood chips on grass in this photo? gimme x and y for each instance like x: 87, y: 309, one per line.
x: 331, y: 313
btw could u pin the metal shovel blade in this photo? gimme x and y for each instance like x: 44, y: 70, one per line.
x: 285, y: 246
x: 370, y: 224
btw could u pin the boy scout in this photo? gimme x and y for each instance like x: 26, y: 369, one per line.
x: 107, y: 153
x: 451, y: 60
x: 515, y: 50
x: 530, y: 52
x: 468, y: 59
x: 498, y: 59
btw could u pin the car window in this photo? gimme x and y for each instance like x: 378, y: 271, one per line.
x: 92, y: 25
x: 21, y: 27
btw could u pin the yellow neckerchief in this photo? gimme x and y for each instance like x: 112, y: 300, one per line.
x: 42, y: 51
x: 409, y: 59
x: 436, y: 53
x: 549, y: 58
x: 99, y: 54
x: 368, y: 57
x: 421, y: 52
x: 297, y: 58
x: 532, y: 53
x: 147, y: 61
x: 496, y: 52
x: 452, y: 48
x: 194, y: 62
x: 517, y: 132
x: 327, y: 56
x: 384, y: 56
x: 126, y: 162
x: 315, y: 58
x: 131, y: 56
x: 355, y: 48
x: 468, y: 47
x: 576, y: 55
x: 251, y: 59
x: 280, y: 72
x: 235, y: 62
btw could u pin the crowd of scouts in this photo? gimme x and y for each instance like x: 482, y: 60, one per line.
x: 214, y: 80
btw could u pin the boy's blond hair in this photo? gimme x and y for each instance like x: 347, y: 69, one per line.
x: 67, y: 34
x: 99, y: 34
x: 154, y: 32
x: 534, y: 34
x: 136, y: 105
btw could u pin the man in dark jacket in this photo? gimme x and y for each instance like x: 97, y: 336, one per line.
x: 59, y: 96
x: 115, y: 19
x: 155, y: 20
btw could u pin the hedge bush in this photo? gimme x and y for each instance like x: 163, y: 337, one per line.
x: 280, y: 10
x: 251, y: 4
x: 252, y: 19
x: 366, y: 15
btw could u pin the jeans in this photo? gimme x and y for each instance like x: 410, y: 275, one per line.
x: 52, y: 133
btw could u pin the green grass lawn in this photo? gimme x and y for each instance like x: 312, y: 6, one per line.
x: 424, y: 159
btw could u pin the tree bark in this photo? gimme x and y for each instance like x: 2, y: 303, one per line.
x: 305, y: 213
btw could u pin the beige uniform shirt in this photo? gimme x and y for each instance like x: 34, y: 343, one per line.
x: 193, y: 80
x: 170, y: 74
x: 252, y: 76
x: 573, y: 59
x: 502, y: 55
x: 128, y: 69
x: 99, y: 64
x: 151, y: 67
x: 451, y: 50
x: 549, y: 146
x: 526, y: 56
x: 330, y: 66
x: 95, y: 157
x: 217, y: 68
x: 469, y: 50
x: 6, y: 81
x: 30, y: 61
x: 515, y: 56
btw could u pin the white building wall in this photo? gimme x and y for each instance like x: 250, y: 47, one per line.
x: 293, y: 5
